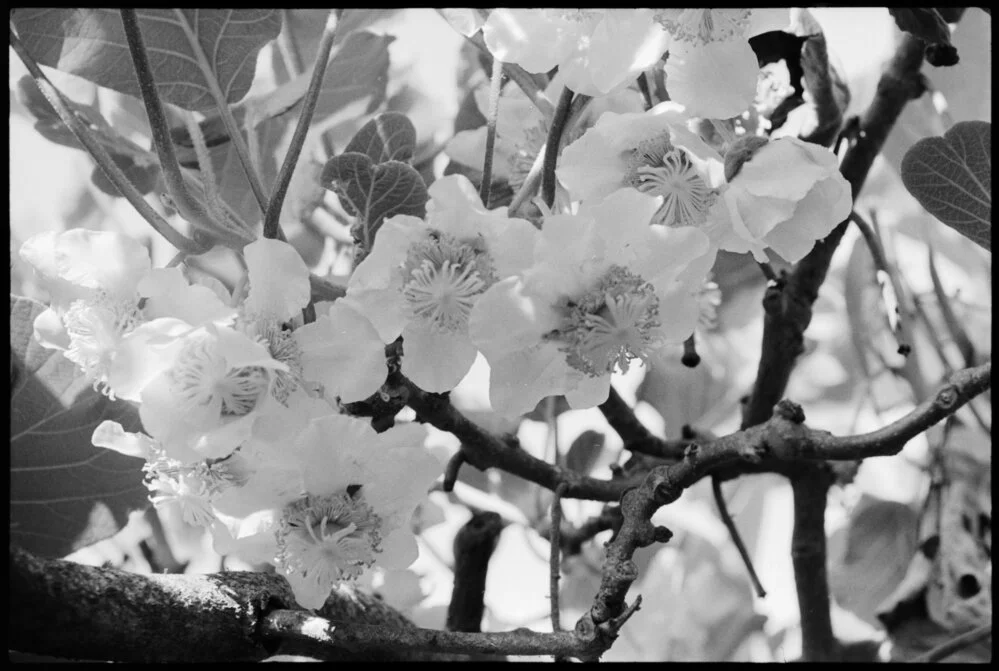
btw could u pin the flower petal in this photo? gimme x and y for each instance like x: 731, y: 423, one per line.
x: 520, y: 379
x: 112, y: 435
x: 716, y: 80
x: 342, y: 351
x: 535, y: 39
x: 279, y: 279
x: 828, y: 204
x: 436, y: 361
x: 507, y: 319
x: 168, y: 294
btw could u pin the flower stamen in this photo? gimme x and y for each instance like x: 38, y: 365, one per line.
x: 329, y: 538
x: 660, y: 169
x: 443, y: 278
x: 611, y: 325
x: 202, y: 377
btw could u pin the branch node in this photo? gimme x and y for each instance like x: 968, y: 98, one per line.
x: 948, y: 397
x: 663, y: 535
x: 790, y: 411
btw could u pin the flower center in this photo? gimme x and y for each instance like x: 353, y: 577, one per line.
x: 282, y: 347
x: 611, y: 325
x: 700, y: 26
x: 201, y: 376
x: 443, y: 277
x: 95, y: 327
x: 660, y: 169
x: 329, y: 538
x: 193, y: 487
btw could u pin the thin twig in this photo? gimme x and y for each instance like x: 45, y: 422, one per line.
x: 768, y: 271
x: 495, y: 85
x: 99, y: 153
x: 272, y: 216
x: 636, y: 437
x: 554, y: 562
x: 548, y: 179
x: 733, y: 531
x: 957, y: 332
x: 891, y: 289
x: 211, y: 81
x: 957, y: 644
x: 454, y: 465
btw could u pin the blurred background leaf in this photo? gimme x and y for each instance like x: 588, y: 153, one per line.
x: 65, y: 493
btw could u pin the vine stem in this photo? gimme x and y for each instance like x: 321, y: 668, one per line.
x: 242, y: 151
x: 99, y: 153
x: 495, y: 85
x: 189, y: 207
x: 272, y: 215
x: 548, y: 179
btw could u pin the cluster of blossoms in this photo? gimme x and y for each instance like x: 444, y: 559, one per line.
x: 239, y: 398
x: 238, y: 403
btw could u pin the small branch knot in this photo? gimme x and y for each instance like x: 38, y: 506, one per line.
x: 790, y: 411
x: 663, y: 535
x: 947, y: 397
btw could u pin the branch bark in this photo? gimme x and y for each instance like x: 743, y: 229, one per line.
x: 65, y: 609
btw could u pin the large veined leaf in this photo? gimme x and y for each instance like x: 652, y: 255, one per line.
x: 951, y: 176
x: 354, y: 84
x: 372, y: 192
x: 388, y: 137
x: 188, y: 48
x: 65, y: 494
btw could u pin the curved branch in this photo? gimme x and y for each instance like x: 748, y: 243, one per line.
x: 782, y: 439
x: 484, y: 450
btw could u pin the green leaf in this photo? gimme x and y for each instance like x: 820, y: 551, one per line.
x: 371, y: 192
x: 188, y: 48
x: 355, y: 82
x: 388, y: 137
x: 951, y: 176
x: 138, y: 164
x: 584, y: 451
x: 868, y: 559
x: 65, y: 494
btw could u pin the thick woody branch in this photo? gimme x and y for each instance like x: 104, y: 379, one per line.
x: 65, y: 609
